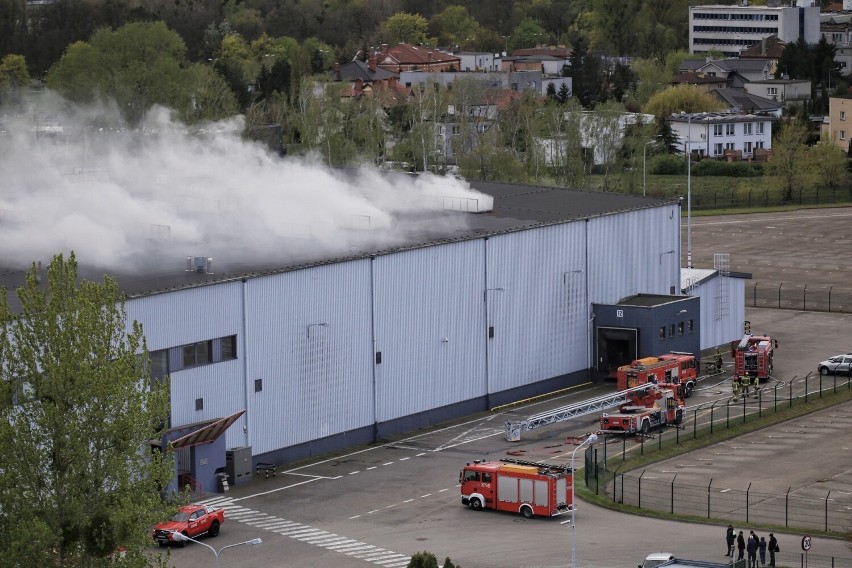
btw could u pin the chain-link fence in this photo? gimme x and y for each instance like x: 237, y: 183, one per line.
x: 753, y: 192
x: 785, y: 295
x: 804, y: 509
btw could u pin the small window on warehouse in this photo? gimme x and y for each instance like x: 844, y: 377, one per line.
x: 663, y: 332
x: 680, y: 327
x: 689, y: 326
x: 229, y: 347
x: 196, y: 354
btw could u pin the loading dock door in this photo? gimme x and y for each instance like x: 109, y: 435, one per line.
x: 616, y: 346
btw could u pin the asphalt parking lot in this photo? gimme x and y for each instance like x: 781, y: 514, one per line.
x: 375, y: 506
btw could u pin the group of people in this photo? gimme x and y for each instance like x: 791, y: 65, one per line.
x: 745, y: 384
x: 754, y: 547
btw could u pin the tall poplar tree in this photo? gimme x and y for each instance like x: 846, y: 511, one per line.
x: 78, y: 479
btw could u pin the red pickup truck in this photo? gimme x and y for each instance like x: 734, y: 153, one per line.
x: 191, y: 521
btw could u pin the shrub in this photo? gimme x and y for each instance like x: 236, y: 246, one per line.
x: 719, y: 168
x: 667, y: 165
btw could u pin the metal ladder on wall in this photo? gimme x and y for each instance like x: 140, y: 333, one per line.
x: 722, y: 263
x: 514, y: 428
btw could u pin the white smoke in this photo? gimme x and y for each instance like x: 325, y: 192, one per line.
x: 125, y: 201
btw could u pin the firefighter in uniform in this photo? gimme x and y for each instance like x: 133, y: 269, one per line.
x: 735, y: 386
x: 718, y: 359
x: 755, y: 385
x: 746, y: 382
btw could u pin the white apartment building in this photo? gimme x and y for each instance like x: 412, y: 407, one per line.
x: 713, y: 133
x: 730, y: 29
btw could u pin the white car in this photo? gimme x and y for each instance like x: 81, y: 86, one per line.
x: 657, y: 558
x: 836, y: 364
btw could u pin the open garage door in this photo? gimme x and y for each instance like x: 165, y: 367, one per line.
x: 616, y: 346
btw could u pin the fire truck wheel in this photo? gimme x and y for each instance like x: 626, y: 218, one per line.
x: 476, y: 504
x: 687, y: 390
x: 646, y: 427
x: 527, y: 512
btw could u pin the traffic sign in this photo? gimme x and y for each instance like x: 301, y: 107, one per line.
x: 806, y: 542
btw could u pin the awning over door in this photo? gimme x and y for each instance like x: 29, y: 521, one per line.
x: 207, y: 432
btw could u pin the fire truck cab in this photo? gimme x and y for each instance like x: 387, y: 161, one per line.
x: 677, y: 368
x: 753, y: 356
x: 524, y: 487
x: 655, y: 406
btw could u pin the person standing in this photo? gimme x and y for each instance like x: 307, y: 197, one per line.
x: 730, y: 538
x: 761, y: 550
x: 773, y: 548
x: 740, y: 546
x: 751, y: 547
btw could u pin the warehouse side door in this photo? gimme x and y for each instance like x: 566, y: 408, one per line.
x: 615, y: 346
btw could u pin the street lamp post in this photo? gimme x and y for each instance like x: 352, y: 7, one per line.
x: 644, y: 170
x: 591, y: 439
x: 506, y: 37
x: 182, y: 537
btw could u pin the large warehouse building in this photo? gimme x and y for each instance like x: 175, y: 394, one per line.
x: 274, y: 365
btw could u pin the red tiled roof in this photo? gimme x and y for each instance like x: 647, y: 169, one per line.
x: 406, y: 54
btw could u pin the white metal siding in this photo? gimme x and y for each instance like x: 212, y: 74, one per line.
x: 317, y: 379
x: 634, y: 252
x: 536, y: 305
x: 430, y: 326
x: 186, y: 316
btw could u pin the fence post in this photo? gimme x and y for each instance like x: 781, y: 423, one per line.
x: 660, y: 440
x: 791, y: 391
x: 826, y: 508
x: 708, y: 497
x: 806, y: 387
x: 747, y: 492
x: 754, y: 297
x: 759, y: 400
x: 805, y: 297
x: 623, y: 448
x: 820, y: 384
x: 829, y: 298
x: 615, y: 484
x: 744, y: 410
x: 787, y: 507
x: 711, y: 415
x: 775, y: 395
x: 779, y: 294
x: 728, y: 414
x: 639, y: 497
x: 695, y: 422
x: 673, y: 484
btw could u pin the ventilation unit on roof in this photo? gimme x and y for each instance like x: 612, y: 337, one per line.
x: 199, y: 264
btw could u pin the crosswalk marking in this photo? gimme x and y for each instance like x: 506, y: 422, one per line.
x: 310, y: 535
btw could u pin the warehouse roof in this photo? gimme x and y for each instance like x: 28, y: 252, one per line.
x: 516, y: 207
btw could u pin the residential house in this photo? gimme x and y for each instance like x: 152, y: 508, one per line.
x: 600, y: 142
x: 767, y: 48
x: 747, y: 69
x: 704, y: 82
x: 406, y: 57
x: 742, y: 102
x: 732, y: 28
x: 723, y: 134
x: 783, y: 90
x: 366, y: 79
x: 478, y: 61
x: 465, y: 122
x: 836, y: 28
x: 520, y: 81
x: 837, y: 126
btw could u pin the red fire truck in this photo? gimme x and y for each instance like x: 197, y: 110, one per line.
x: 657, y: 405
x: 753, y: 356
x: 519, y: 486
x: 677, y: 368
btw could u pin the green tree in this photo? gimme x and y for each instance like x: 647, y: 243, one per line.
x: 403, y: 27
x: 138, y: 65
x: 423, y: 560
x: 681, y: 98
x: 528, y: 33
x: 455, y: 27
x: 831, y: 164
x: 788, y: 164
x: 13, y: 78
x: 78, y: 479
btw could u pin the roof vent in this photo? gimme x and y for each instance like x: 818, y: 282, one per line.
x: 199, y: 264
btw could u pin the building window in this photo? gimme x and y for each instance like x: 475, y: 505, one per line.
x: 747, y: 127
x: 747, y: 147
x: 729, y: 146
x: 663, y: 332
x: 717, y: 149
x: 843, y: 135
x: 717, y: 130
x: 842, y: 115
x: 760, y: 128
x: 730, y: 129
x: 689, y: 326
x: 772, y: 91
x: 228, y: 347
x: 196, y: 354
x: 680, y: 328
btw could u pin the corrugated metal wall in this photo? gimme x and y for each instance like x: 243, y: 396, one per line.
x: 430, y: 326
x: 309, y: 341
x: 721, y: 318
x: 536, y: 302
x: 453, y: 323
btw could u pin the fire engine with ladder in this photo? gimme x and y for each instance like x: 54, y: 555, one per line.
x: 655, y: 406
x: 677, y: 368
x: 519, y: 486
x: 753, y: 356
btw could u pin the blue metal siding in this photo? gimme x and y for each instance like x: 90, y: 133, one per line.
x: 721, y: 323
x: 536, y: 305
x: 430, y: 324
x: 317, y: 379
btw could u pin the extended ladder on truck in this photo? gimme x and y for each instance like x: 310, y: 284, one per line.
x: 545, y: 467
x: 515, y: 427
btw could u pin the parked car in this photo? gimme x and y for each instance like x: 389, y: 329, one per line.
x: 836, y: 364
x: 656, y: 558
x: 191, y: 521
